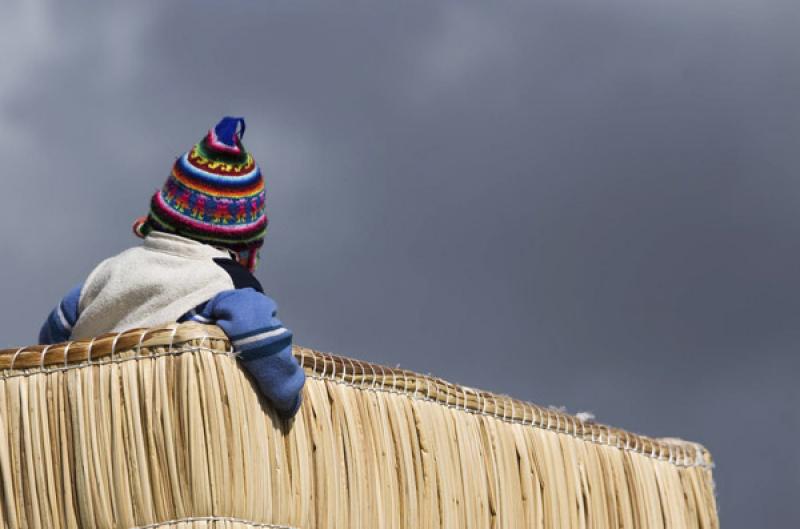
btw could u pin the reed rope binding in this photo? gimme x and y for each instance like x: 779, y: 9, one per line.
x: 160, y: 428
x: 210, y: 522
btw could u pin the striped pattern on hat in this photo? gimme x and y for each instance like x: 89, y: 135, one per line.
x: 215, y: 193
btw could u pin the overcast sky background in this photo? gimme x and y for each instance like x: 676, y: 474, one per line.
x: 580, y: 203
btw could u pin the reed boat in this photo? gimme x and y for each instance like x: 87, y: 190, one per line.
x: 161, y: 429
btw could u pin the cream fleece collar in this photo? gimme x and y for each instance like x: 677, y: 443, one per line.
x: 158, y: 241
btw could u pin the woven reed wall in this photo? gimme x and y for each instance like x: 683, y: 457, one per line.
x: 161, y: 429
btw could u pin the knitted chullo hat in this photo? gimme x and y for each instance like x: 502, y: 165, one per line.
x: 215, y: 195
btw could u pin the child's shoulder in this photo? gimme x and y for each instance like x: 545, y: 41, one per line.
x: 125, y: 259
x: 201, y: 265
x: 240, y: 276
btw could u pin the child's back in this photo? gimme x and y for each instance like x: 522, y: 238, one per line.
x: 157, y: 282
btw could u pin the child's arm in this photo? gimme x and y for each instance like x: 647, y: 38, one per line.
x: 58, y: 327
x: 261, y: 341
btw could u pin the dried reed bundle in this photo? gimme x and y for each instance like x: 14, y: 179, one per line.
x: 161, y: 429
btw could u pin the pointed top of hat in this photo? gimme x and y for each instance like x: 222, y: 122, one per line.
x: 226, y: 135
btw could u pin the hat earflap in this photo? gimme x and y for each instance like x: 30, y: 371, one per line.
x: 140, y: 227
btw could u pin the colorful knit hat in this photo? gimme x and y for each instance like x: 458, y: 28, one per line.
x: 214, y: 195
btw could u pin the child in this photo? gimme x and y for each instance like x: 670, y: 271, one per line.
x: 201, y: 244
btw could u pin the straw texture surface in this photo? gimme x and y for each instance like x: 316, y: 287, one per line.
x: 162, y: 429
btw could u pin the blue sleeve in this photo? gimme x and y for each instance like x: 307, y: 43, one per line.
x: 261, y: 342
x: 58, y: 327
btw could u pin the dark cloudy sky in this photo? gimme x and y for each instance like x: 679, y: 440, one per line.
x: 580, y: 203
